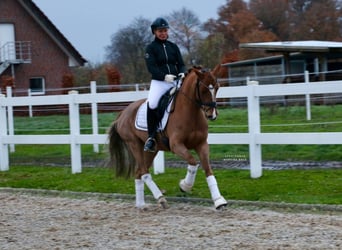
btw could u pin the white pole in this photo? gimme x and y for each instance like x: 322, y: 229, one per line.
x: 94, y: 117
x: 4, y: 157
x: 74, y: 123
x: 307, y: 97
x: 254, y: 129
x: 30, y: 106
x: 10, y: 117
x: 159, y: 163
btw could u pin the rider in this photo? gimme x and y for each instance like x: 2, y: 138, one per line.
x: 164, y: 62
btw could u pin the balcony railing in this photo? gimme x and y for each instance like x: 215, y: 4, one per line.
x: 16, y: 52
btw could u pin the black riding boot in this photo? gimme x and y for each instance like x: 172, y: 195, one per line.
x: 152, y: 125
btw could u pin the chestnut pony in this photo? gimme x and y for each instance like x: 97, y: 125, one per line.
x: 186, y: 129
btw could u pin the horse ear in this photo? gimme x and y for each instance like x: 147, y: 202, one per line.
x: 199, y: 73
x: 216, y: 70
x: 195, y: 67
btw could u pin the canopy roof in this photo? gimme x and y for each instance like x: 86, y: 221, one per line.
x: 296, y: 46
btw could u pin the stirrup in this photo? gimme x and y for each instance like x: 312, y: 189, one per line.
x: 150, y: 145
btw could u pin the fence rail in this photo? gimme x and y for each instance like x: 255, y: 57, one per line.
x: 254, y: 138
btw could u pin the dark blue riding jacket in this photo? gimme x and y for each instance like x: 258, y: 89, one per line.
x: 162, y: 58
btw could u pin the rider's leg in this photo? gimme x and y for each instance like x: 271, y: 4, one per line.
x: 157, y: 89
x: 152, y: 125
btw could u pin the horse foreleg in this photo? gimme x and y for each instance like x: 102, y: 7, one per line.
x: 216, y: 196
x: 219, y: 201
x: 187, y: 183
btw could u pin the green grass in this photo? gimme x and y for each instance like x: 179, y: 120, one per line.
x: 31, y: 164
x: 292, y: 186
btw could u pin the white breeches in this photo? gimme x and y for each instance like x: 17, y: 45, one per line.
x: 157, y: 89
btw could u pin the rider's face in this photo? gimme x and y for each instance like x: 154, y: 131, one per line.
x: 161, y: 34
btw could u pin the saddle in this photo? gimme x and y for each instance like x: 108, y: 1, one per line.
x: 164, y: 109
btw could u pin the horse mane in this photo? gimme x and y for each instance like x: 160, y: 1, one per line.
x: 198, y: 67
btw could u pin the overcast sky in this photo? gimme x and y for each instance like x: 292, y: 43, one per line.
x: 89, y: 24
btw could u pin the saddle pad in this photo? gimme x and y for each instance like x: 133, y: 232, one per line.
x: 141, y: 118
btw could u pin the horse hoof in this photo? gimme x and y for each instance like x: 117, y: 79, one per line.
x: 220, y: 203
x: 184, y: 187
x: 142, y: 208
x: 163, y: 202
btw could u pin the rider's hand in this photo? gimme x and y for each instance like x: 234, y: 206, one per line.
x: 169, y: 78
x: 181, y: 76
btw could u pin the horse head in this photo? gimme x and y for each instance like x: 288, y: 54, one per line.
x: 206, y: 90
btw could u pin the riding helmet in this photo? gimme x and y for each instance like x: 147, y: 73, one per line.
x: 159, y: 23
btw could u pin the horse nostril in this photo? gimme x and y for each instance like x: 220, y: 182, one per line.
x: 212, y: 117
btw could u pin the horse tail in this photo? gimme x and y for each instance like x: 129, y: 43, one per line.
x: 121, y: 158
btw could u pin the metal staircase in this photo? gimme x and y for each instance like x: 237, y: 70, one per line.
x: 14, y: 53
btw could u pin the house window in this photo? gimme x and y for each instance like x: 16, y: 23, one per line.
x: 37, y: 85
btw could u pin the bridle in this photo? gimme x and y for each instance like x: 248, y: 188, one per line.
x: 199, y: 100
x: 205, y: 106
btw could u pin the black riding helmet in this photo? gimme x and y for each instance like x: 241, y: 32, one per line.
x: 159, y: 23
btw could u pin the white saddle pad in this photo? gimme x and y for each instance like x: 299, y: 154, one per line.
x: 141, y: 118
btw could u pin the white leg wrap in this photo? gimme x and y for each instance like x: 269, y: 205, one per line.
x: 187, y: 183
x: 215, y: 193
x: 139, y: 193
x: 147, y: 178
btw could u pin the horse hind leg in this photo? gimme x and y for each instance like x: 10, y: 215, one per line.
x: 187, y: 183
x: 157, y: 194
x: 143, y: 177
x: 139, y: 194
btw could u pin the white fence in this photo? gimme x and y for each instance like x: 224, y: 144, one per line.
x: 254, y: 138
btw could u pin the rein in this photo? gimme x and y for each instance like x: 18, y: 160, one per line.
x: 199, y: 101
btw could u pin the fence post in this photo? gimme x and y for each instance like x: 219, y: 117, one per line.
x: 30, y: 106
x: 74, y: 123
x: 254, y: 129
x: 10, y: 117
x: 94, y: 117
x: 159, y: 163
x: 4, y: 157
x: 307, y: 97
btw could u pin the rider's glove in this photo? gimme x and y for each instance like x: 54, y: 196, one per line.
x: 169, y: 78
x: 181, y: 76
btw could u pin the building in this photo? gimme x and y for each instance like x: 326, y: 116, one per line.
x: 322, y: 60
x: 34, y: 54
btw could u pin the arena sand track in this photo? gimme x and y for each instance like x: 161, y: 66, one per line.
x: 33, y: 221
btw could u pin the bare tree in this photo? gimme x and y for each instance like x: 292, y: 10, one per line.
x: 127, y: 51
x: 185, y: 31
x: 321, y: 20
x: 210, y: 50
x: 274, y: 16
